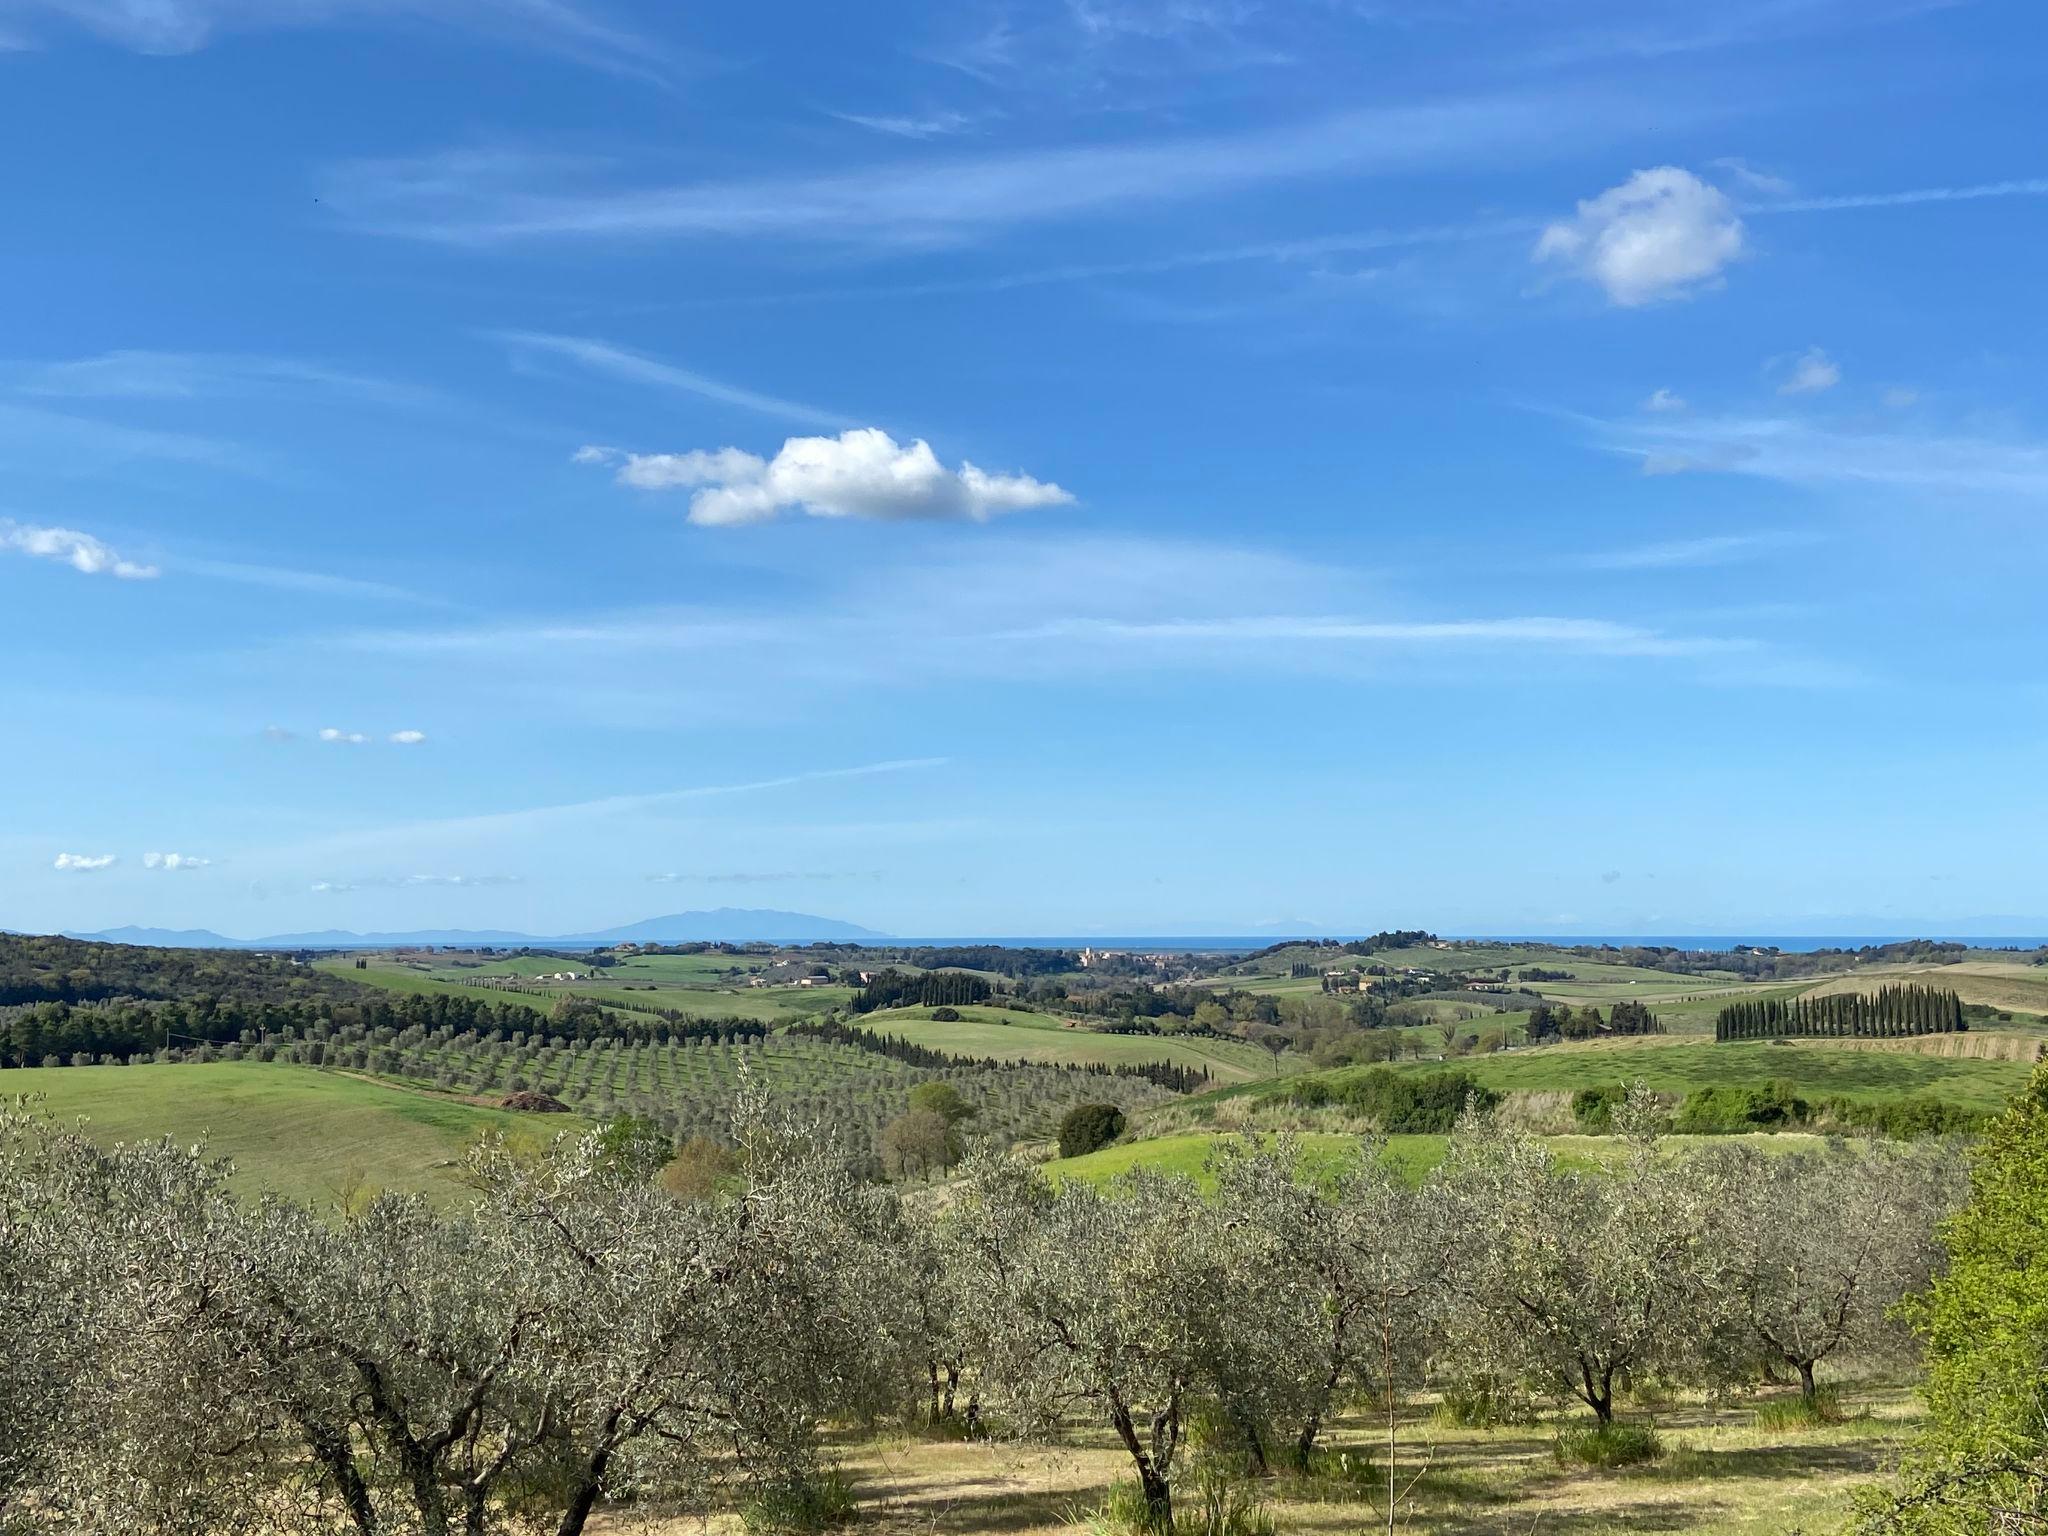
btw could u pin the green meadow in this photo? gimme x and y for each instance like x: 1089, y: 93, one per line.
x: 302, y: 1132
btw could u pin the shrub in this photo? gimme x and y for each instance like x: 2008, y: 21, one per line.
x: 1398, y: 1102
x: 1798, y: 1413
x: 1122, y: 1512
x: 1479, y: 1405
x: 1607, y: 1445
x: 1207, y: 1502
x: 1211, y: 1501
x: 1089, y: 1127
x: 1593, y: 1108
x: 1913, y: 1115
x: 1728, y: 1109
x: 802, y: 1505
x: 945, y: 1015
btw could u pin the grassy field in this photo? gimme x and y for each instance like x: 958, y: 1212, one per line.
x: 1012, y: 1036
x: 625, y: 988
x: 299, y: 1131
x: 1186, y: 1154
x: 1675, y: 1064
x: 1721, y: 1475
x: 2021, y: 989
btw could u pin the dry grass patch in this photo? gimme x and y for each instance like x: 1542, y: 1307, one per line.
x: 1721, y: 1473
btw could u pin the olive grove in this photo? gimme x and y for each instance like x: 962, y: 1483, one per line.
x: 588, y: 1334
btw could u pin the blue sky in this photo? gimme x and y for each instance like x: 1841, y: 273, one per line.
x: 1086, y: 466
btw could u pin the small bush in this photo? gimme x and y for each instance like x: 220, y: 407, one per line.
x: 1208, y: 1500
x: 1479, y: 1406
x: 1725, y: 1109
x: 1399, y: 1103
x: 1607, y: 1445
x: 1798, y: 1413
x: 1593, y: 1108
x: 1122, y: 1512
x: 1212, y: 1501
x: 945, y: 1015
x: 1327, y: 1465
x: 1088, y: 1128
x: 819, y: 1502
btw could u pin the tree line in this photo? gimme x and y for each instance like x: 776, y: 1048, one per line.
x: 48, y: 969
x: 1888, y: 1013
x: 185, y: 1362
x: 58, y: 1033
x: 931, y: 989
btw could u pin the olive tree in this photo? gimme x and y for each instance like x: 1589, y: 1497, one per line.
x: 1821, y: 1247
x: 1093, y: 1300
x: 1356, y: 1266
x: 577, y: 1334
x: 1578, y: 1278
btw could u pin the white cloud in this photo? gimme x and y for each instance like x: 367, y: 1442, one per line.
x: 407, y: 738
x: 81, y: 551
x: 1813, y: 372
x: 1663, y: 400
x: 863, y: 473
x: 1662, y: 234
x: 1899, y: 398
x: 278, y: 735
x: 173, y: 861
x: 85, y: 862
x: 345, y: 738
x: 332, y: 887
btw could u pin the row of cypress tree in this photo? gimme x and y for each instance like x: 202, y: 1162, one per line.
x: 1887, y: 1013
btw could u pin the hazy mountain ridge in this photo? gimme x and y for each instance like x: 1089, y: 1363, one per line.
x: 723, y: 925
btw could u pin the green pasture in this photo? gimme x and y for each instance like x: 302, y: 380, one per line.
x: 1187, y: 1155
x: 302, y: 1132
x: 1817, y: 1068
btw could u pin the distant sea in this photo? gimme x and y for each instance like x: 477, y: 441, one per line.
x: 1799, y: 943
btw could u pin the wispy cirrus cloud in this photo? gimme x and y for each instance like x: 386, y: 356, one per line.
x: 1594, y: 637
x: 85, y: 863
x: 1827, y: 452
x: 617, y: 362
x: 289, y: 579
x: 141, y: 374
x: 174, y: 862
x: 413, y: 882
x: 1707, y: 550
x: 186, y: 26
x: 925, y: 125
x: 73, y: 445
x: 761, y: 877
x: 1090, y: 608
x: 85, y: 554
x: 467, y: 196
